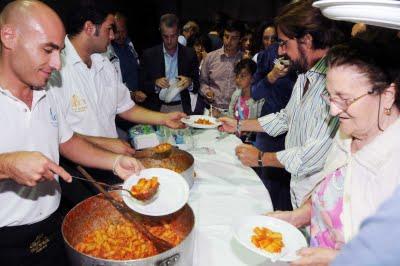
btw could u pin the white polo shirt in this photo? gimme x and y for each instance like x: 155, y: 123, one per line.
x: 90, y: 98
x: 39, y: 129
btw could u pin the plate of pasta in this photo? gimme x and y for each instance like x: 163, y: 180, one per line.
x: 269, y: 237
x: 201, y: 121
x: 162, y: 192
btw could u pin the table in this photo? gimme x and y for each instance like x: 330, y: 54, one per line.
x: 223, y: 191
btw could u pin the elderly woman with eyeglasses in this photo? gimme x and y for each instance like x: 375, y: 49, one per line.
x: 363, y: 167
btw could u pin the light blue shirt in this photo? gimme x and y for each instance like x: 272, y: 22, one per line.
x: 171, y: 68
x: 377, y: 242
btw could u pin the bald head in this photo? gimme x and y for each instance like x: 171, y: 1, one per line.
x: 32, y: 35
x: 25, y: 14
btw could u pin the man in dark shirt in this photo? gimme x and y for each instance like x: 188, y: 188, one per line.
x: 128, y: 61
x: 275, y: 86
x: 128, y: 58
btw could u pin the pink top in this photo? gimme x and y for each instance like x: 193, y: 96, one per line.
x: 244, y: 107
x: 327, y: 207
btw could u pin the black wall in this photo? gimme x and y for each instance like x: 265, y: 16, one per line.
x: 143, y: 21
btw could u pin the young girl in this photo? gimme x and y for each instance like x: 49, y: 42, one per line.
x: 242, y: 106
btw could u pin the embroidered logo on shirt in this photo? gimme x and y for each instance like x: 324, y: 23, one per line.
x: 53, y: 118
x: 78, y: 104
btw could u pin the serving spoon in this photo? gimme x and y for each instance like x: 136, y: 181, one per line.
x: 155, y: 152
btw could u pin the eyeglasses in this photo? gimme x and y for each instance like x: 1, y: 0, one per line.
x: 343, y: 105
x: 283, y: 42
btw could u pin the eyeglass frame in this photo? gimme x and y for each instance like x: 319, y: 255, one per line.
x: 285, y: 42
x: 282, y: 42
x: 348, y: 102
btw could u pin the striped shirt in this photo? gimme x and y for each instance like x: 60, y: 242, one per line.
x: 310, y: 130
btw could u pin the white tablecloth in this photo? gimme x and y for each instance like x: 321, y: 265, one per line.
x: 224, y: 190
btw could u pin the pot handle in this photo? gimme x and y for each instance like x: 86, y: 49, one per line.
x: 169, y: 261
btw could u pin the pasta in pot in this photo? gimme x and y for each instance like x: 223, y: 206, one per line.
x: 121, y: 241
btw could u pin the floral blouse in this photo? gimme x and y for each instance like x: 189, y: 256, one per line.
x: 327, y: 207
x: 242, y: 106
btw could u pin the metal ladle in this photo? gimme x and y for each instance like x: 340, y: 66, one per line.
x: 112, y: 187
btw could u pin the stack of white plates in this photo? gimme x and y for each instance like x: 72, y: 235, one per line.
x: 383, y: 13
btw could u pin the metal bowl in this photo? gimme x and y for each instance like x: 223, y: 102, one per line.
x: 179, y: 161
x: 95, y: 211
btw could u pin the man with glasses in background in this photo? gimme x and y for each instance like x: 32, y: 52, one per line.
x: 305, y: 38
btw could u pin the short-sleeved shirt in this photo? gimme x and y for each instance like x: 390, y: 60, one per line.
x: 41, y: 128
x: 90, y: 98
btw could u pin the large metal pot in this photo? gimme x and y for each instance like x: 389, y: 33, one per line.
x: 179, y: 161
x: 95, y: 211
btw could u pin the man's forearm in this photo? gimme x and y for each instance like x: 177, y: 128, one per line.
x: 140, y: 115
x: 83, y: 152
x: 270, y: 159
x: 102, y: 142
x: 5, y: 160
x: 251, y: 125
x: 114, y: 145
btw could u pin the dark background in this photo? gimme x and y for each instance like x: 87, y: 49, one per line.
x: 144, y: 15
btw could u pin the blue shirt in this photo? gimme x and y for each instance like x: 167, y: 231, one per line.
x: 128, y: 60
x: 377, y: 242
x: 276, y: 95
x: 171, y: 68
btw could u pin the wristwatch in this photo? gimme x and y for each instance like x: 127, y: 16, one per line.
x: 260, y: 156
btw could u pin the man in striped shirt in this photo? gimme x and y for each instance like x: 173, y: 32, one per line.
x: 305, y: 37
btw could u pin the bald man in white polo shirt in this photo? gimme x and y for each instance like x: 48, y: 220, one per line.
x: 33, y: 132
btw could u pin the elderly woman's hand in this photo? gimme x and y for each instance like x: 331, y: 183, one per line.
x: 298, y: 217
x: 286, y: 216
x: 247, y: 154
x: 315, y: 257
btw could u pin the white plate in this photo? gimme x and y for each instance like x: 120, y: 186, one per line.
x: 190, y: 121
x: 383, y: 13
x: 172, y: 194
x: 293, y: 239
